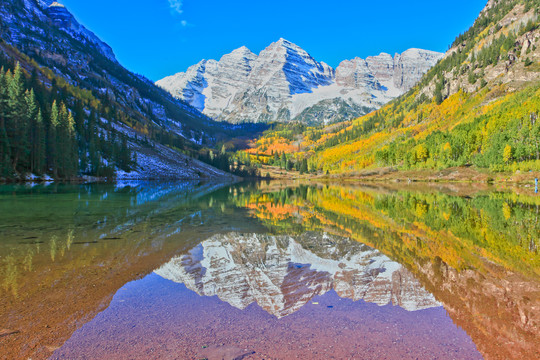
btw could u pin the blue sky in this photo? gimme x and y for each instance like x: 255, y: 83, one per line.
x: 157, y: 38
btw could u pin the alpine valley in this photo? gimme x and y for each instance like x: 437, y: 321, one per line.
x: 284, y: 83
x: 269, y: 206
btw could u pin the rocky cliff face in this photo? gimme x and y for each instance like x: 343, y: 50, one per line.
x: 281, y: 275
x: 410, y: 66
x: 60, y: 16
x: 481, y: 58
x: 285, y: 83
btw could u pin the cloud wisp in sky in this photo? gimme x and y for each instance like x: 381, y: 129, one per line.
x: 176, y: 6
x: 176, y: 9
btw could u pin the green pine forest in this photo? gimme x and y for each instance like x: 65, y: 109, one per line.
x: 39, y: 134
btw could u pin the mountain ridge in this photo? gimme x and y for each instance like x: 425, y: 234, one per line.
x: 284, y: 82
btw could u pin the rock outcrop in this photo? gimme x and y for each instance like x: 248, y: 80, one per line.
x: 62, y: 18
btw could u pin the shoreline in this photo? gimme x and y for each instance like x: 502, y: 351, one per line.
x: 455, y: 175
x: 385, y: 175
x: 101, y: 180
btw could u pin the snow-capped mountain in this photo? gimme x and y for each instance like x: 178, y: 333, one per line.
x: 285, y: 83
x: 281, y: 275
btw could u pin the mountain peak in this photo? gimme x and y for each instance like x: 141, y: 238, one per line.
x: 382, y: 55
x: 63, y: 19
x: 242, y: 51
x: 284, y: 43
x: 56, y: 4
x: 420, y: 53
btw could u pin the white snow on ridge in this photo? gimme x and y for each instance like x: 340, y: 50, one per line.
x: 300, y: 102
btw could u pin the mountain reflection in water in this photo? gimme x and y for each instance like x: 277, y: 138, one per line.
x: 283, y: 273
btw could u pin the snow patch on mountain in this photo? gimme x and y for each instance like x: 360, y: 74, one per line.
x: 302, y: 72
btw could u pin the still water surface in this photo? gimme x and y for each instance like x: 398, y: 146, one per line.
x: 268, y: 271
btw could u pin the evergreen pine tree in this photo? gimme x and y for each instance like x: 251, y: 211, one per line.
x: 17, y: 125
x: 67, y: 153
x: 31, y: 135
x: 283, y: 161
x: 52, y: 142
x: 72, y: 164
x: 38, y: 145
x: 5, y: 146
x: 125, y: 155
x: 304, y: 166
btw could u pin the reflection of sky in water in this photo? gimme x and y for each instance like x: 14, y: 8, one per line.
x: 159, y: 318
